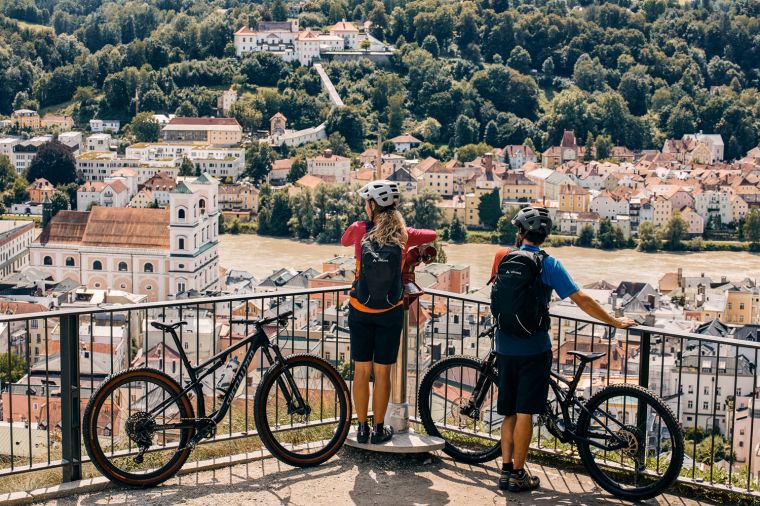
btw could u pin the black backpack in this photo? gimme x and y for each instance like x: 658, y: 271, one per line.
x: 518, y: 296
x: 378, y: 285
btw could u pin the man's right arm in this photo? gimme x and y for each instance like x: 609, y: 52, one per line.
x: 592, y: 308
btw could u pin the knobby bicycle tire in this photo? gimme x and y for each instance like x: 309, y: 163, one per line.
x: 260, y: 412
x: 89, y: 429
x: 670, y: 422
x: 424, y: 395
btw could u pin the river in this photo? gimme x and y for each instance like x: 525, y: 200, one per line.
x: 262, y: 255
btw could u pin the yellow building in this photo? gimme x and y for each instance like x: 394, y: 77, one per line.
x: 742, y: 307
x: 574, y: 199
x: 439, y: 179
x: 26, y: 118
x: 452, y: 207
x: 518, y: 188
x: 57, y: 121
x: 662, y: 209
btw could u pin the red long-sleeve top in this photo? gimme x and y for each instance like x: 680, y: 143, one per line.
x: 354, y: 235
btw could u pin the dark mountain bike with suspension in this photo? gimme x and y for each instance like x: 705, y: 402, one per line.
x: 626, y: 436
x: 139, y: 427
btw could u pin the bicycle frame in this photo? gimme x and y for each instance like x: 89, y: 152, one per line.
x: 257, y: 340
x: 565, y: 398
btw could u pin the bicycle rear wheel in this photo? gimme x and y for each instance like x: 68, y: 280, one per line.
x: 311, y: 436
x: 444, y: 390
x: 642, y: 444
x: 125, y: 415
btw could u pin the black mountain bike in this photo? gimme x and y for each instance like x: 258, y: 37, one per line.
x: 627, y: 437
x: 139, y: 426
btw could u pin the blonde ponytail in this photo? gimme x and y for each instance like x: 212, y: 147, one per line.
x: 389, y: 228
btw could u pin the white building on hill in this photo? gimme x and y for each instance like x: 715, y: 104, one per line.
x: 330, y: 167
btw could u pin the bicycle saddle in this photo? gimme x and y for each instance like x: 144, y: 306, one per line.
x: 587, y: 356
x: 167, y: 327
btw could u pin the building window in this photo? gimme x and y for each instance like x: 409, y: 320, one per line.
x: 181, y: 214
x: 705, y: 405
x: 181, y: 243
x: 122, y: 266
x: 691, y: 404
x: 148, y: 267
x: 180, y: 287
x: 69, y: 261
x: 97, y: 265
x: 47, y: 261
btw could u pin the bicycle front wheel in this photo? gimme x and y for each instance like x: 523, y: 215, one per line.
x: 305, y: 435
x: 472, y: 435
x: 128, y: 428
x: 630, y: 442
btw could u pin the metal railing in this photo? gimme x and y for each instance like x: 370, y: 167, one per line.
x: 56, y: 359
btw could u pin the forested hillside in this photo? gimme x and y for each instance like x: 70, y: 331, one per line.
x: 489, y: 71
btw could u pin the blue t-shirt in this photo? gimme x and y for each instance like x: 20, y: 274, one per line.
x: 554, y: 276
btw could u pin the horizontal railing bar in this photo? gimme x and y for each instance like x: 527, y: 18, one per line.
x: 165, y: 304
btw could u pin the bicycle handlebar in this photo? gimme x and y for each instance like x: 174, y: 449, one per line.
x: 280, y: 319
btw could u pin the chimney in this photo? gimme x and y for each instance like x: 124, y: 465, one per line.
x: 724, y: 279
x: 328, y: 153
x: 488, y: 162
x: 680, y: 277
x: 613, y: 301
x: 649, y: 320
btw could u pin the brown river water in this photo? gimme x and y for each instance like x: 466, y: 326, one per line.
x: 262, y: 255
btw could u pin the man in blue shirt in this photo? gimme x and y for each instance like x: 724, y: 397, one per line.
x: 524, y: 362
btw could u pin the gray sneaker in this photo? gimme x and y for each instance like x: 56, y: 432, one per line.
x: 522, y: 481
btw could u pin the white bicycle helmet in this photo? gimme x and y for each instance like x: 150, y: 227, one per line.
x: 385, y: 193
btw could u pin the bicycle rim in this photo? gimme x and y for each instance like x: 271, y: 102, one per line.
x: 446, y: 389
x: 310, y: 437
x: 650, y: 443
x: 119, y: 421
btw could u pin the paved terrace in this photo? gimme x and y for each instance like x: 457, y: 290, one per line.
x: 357, y: 477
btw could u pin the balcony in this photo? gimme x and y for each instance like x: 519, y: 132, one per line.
x: 52, y: 380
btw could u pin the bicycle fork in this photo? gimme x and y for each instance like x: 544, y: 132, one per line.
x: 472, y: 408
x: 290, y: 391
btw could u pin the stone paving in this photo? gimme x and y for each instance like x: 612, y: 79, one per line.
x: 360, y: 477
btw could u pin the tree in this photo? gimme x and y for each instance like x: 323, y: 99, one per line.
x: 589, y: 74
x: 12, y: 367
x: 752, y: 228
x: 465, y: 131
x: 489, y: 209
x: 274, y: 215
x: 263, y: 69
x: 145, y: 128
x: 648, y: 240
x: 519, y: 59
x: 279, y: 12
x: 674, y: 232
x: 588, y: 148
x: 258, y: 161
x: 430, y: 44
x: 297, y: 169
x: 457, y: 232
x: 338, y: 144
x: 59, y: 201
x: 396, y: 113
x: 610, y: 236
x: 186, y: 168
x: 348, y: 122
x: 8, y: 173
x: 186, y: 110
x: 586, y: 236
x: 53, y: 162
x: 505, y: 230
x: 603, y: 146
x: 424, y: 211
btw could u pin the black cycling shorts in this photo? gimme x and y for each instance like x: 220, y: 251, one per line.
x: 375, y: 337
x: 523, y: 383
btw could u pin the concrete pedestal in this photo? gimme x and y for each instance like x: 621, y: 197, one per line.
x: 405, y: 442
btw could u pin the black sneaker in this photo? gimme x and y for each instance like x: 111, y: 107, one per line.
x: 381, y: 437
x: 521, y: 481
x: 504, y: 479
x: 362, y: 433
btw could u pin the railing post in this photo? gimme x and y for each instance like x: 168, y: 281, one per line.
x: 644, y: 354
x: 71, y: 433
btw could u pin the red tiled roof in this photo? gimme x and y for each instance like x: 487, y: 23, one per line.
x: 203, y: 121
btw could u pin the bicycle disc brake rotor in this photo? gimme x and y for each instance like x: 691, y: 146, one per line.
x: 462, y: 412
x: 633, y: 438
x: 140, y: 428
